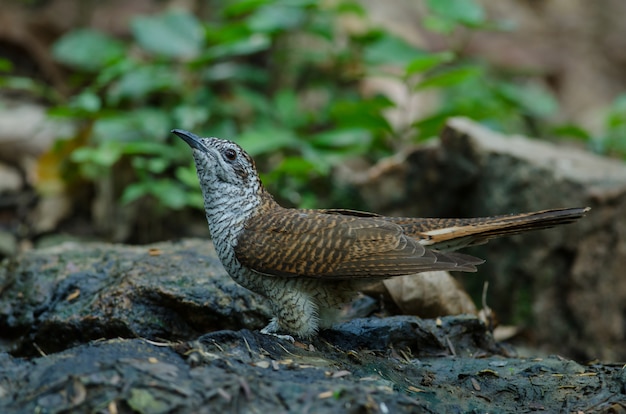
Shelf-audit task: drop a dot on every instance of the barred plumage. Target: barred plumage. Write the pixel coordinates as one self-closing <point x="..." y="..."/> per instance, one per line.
<point x="308" y="263"/>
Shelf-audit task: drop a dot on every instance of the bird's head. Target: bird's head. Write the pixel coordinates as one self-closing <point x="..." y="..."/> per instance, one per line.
<point x="222" y="165"/>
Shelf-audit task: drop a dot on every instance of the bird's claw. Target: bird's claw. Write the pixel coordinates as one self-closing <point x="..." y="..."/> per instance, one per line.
<point x="271" y="329"/>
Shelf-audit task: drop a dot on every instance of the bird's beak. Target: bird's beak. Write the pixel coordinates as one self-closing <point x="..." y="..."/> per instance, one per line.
<point x="191" y="139"/>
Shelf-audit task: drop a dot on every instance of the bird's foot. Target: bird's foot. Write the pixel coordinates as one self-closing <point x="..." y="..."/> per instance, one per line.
<point x="271" y="329"/>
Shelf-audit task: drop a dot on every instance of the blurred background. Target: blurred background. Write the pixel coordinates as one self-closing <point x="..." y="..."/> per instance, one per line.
<point x="314" y="91"/>
<point x="90" y="90"/>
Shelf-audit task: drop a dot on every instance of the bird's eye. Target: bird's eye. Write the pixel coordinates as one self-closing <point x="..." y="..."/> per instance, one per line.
<point x="230" y="154"/>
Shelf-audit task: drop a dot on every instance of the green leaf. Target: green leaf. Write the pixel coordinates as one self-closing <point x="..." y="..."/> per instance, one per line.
<point x="236" y="72"/>
<point x="531" y="98"/>
<point x="87" y="49"/>
<point x="354" y="138"/>
<point x="175" y="34"/>
<point x="287" y="109"/>
<point x="321" y="25"/>
<point x="104" y="155"/>
<point x="276" y="17"/>
<point x="466" y="12"/>
<point x="432" y="125"/>
<point x="143" y="81"/>
<point x="365" y="113"/>
<point x="20" y="83"/>
<point x="450" y="77"/>
<point x="571" y="131"/>
<point x="117" y="128"/>
<point x="351" y="7"/>
<point x="158" y="165"/>
<point x="113" y="71"/>
<point x="428" y="61"/>
<point x="330" y="148"/>
<point x="238" y="8"/>
<point x="619" y="104"/>
<point x="155" y="165"/>
<point x="170" y="193"/>
<point x="296" y="166"/>
<point x="189" y="117"/>
<point x="263" y="139"/>
<point x="134" y="192"/>
<point x="132" y="126"/>
<point x="252" y="44"/>
<point x="194" y="199"/>
<point x="228" y="32"/>
<point x="616" y="117"/>
<point x="390" y="49"/>
<point x="86" y="102"/>
<point x="167" y="192"/>
<point x="187" y="175"/>
<point x="151" y="121"/>
<point x="438" y="25"/>
<point x="259" y="102"/>
<point x="145" y="148"/>
<point x="5" y="65"/>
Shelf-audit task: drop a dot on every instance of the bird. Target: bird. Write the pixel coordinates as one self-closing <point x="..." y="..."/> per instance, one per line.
<point x="308" y="263"/>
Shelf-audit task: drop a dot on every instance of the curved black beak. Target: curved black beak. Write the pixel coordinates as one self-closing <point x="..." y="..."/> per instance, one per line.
<point x="191" y="139"/>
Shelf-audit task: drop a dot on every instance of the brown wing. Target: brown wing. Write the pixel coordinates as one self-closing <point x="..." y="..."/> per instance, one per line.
<point x="291" y="243"/>
<point x="455" y="233"/>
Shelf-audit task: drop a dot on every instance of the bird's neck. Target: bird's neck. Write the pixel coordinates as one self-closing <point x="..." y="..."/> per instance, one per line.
<point x="227" y="213"/>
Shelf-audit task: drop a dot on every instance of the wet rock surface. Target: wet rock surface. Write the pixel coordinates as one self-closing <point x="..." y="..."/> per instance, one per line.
<point x="244" y="371"/>
<point x="161" y="328"/>
<point x="59" y="297"/>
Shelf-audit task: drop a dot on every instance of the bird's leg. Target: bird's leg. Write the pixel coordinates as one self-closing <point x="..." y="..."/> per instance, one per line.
<point x="295" y="312"/>
<point x="332" y="298"/>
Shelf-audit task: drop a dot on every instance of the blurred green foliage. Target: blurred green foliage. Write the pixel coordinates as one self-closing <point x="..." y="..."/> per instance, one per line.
<point x="612" y="140"/>
<point x="283" y="78"/>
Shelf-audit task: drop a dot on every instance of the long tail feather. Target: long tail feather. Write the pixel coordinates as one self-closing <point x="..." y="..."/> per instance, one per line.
<point x="452" y="234"/>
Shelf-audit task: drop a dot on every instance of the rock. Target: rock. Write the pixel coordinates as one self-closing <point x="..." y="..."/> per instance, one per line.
<point x="14" y="198"/>
<point x="26" y="134"/>
<point x="10" y="179"/>
<point x="421" y="337"/>
<point x="74" y="314"/>
<point x="245" y="371"/>
<point x="27" y="131"/>
<point x="58" y="297"/>
<point x="8" y="244"/>
<point x="566" y="283"/>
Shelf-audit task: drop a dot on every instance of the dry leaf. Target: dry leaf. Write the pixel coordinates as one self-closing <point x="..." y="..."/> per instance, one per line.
<point x="75" y="293"/>
<point x="503" y="333"/>
<point x="262" y="364"/>
<point x="428" y="294"/>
